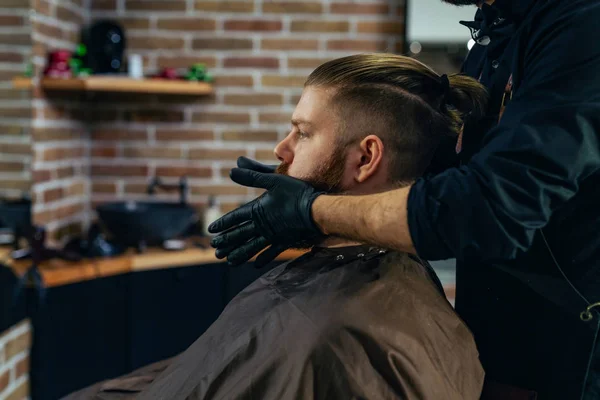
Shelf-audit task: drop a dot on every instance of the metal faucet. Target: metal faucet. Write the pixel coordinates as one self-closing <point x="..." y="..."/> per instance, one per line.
<point x="182" y="186"/>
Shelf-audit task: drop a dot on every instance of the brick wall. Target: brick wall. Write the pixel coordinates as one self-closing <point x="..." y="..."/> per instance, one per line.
<point x="60" y="165"/>
<point x="15" y="105"/>
<point x="260" y="52"/>
<point x="89" y="150"/>
<point x="15" y="344"/>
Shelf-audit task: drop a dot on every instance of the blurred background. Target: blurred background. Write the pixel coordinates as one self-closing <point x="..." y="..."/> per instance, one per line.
<point x="119" y="123"/>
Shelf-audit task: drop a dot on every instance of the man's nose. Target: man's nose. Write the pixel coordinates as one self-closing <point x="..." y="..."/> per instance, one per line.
<point x="284" y="152"/>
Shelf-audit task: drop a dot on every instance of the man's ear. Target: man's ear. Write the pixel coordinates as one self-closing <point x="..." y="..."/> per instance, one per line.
<point x="370" y="158"/>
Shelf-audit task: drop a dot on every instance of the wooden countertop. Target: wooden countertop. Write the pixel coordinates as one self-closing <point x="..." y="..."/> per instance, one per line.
<point x="60" y="272"/>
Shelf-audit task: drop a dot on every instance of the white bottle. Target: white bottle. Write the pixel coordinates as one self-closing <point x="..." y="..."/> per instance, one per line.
<point x="211" y="214"/>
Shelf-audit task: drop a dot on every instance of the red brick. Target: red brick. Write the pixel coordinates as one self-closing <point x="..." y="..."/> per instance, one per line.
<point x="18" y="130"/>
<point x="183" y="135"/>
<point x="234" y="81"/>
<point x="65" y="172"/>
<point x="155" y="6"/>
<point x="11" y="4"/>
<point x="8" y="75"/>
<point x="16" y="184"/>
<point x="252" y="25"/>
<point x="51" y="195"/>
<point x="155" y="43"/>
<point x="320" y="26"/>
<point x="308" y="63"/>
<point x="185" y="61"/>
<point x="104" y="187"/>
<point x="16" y="112"/>
<point x="357" y="45"/>
<point x="289" y="45"/>
<point x="22" y="367"/>
<point x="15" y="148"/>
<point x="42" y="175"/>
<point x="274" y="117"/>
<point x="284" y="7"/>
<point x="18" y="345"/>
<point x="193" y="172"/>
<point x="152" y="152"/>
<point x="11" y="20"/>
<point x="256" y="99"/>
<point x="283" y="81"/>
<point x="119" y="170"/>
<point x="250" y="136"/>
<point x="187" y="24"/>
<point x="360" y="8"/>
<point x="56" y="134"/>
<point x="154" y="115"/>
<point x="64" y="14"/>
<point x="215" y="154"/>
<point x="251" y="62"/>
<point x="42" y="7"/>
<point x="104" y="152"/>
<point x="221" y="117"/>
<point x="381" y="27"/>
<point x="119" y="134"/>
<point x="59" y="153"/>
<point x="222" y="190"/>
<point x="135" y="188"/>
<point x="103" y="5"/>
<point x="222" y="44"/>
<point x="225" y="6"/>
<point x="15" y="39"/>
<point x="135" y="23"/>
<point x="48" y="30"/>
<point x="4" y="379"/>
<point x="13" y="166"/>
<point x="76" y="189"/>
<point x="266" y="155"/>
<point x="12" y="57"/>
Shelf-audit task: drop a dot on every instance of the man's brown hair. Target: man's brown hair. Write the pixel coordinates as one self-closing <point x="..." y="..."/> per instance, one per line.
<point x="401" y="100"/>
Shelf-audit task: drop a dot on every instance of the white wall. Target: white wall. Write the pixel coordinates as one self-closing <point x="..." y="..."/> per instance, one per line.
<point x="433" y="21"/>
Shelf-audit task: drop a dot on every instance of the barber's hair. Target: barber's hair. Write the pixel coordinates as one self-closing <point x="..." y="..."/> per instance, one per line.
<point x="404" y="102"/>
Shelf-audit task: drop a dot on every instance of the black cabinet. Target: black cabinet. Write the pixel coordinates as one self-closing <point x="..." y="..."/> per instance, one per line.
<point x="95" y="330"/>
<point x="79" y="335"/>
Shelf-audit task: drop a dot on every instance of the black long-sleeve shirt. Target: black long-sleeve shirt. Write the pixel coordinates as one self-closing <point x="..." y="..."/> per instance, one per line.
<point x="521" y="214"/>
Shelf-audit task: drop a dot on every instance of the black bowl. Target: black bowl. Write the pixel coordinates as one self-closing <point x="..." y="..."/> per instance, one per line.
<point x="145" y="223"/>
<point x="16" y="215"/>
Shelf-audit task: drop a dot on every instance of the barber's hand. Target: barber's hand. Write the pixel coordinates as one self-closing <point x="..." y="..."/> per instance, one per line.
<point x="280" y="217"/>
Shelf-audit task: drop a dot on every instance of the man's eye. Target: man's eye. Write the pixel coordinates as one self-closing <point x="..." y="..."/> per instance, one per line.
<point x="302" y="135"/>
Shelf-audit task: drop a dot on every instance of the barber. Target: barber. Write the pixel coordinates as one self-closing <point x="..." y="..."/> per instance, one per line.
<point x="520" y="209"/>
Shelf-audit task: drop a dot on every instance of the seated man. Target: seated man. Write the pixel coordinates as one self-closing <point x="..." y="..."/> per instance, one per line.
<point x="345" y="320"/>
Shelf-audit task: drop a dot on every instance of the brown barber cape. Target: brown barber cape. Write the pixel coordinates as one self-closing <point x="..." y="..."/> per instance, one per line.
<point x="337" y="323"/>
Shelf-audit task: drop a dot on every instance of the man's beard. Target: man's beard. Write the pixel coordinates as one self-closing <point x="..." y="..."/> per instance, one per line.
<point x="462" y="2"/>
<point x="328" y="177"/>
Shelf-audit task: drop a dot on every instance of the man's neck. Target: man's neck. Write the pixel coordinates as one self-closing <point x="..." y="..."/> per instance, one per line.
<point x="333" y="242"/>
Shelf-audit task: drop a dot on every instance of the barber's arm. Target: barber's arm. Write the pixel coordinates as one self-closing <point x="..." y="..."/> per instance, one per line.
<point x="547" y="143"/>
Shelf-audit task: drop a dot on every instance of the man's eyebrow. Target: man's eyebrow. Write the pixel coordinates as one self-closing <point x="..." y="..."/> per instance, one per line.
<point x="297" y="122"/>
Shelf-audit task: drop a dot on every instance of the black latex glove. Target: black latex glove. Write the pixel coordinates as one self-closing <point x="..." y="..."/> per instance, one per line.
<point x="280" y="217"/>
<point x="246" y="163"/>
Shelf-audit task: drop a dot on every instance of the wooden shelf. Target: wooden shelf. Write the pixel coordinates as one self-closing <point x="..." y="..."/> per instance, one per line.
<point x="118" y="84"/>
